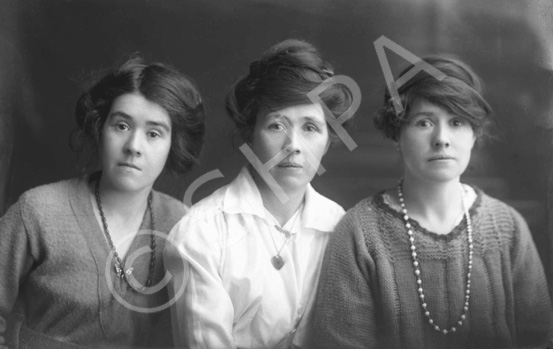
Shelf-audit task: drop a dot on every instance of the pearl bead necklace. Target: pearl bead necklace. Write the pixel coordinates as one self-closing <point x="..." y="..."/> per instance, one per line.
<point x="416" y="265"/>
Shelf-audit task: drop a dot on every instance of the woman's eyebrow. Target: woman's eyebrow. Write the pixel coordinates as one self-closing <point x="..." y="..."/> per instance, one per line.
<point x="161" y="124"/>
<point x="275" y="115"/>
<point x="156" y="123"/>
<point x="121" y="114"/>
<point x="423" y="113"/>
<point x="313" y="119"/>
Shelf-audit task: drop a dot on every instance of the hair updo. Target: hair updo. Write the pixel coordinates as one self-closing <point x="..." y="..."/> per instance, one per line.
<point x="160" y="84"/>
<point x="283" y="77"/>
<point x="459" y="93"/>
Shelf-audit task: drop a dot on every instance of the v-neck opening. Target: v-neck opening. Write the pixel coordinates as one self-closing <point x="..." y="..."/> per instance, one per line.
<point x="94" y="234"/>
<point x="290" y="223"/>
<point x="136" y="240"/>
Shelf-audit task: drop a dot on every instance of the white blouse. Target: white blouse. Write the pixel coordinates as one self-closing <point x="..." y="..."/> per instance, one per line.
<point x="234" y="297"/>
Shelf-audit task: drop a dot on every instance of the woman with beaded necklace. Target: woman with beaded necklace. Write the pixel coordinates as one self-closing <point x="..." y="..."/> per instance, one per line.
<point x="253" y="257"/>
<point x="432" y="263"/>
<point x="80" y="259"/>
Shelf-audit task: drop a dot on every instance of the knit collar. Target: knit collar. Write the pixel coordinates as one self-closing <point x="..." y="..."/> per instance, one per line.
<point x="381" y="203"/>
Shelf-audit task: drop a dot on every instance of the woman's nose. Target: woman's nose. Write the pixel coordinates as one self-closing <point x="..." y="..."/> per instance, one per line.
<point x="134" y="144"/>
<point x="441" y="137"/>
<point x="294" y="141"/>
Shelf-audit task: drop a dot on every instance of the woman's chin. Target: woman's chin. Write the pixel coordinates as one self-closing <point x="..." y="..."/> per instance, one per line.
<point x="293" y="184"/>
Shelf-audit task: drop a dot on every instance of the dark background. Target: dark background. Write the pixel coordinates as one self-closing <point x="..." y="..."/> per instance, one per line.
<point x="49" y="48"/>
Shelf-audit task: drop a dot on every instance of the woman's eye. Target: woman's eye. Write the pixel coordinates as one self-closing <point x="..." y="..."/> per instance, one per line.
<point x="311" y="128"/>
<point x="276" y="127"/>
<point x="122" y="127"/>
<point x="457" y="122"/>
<point x="153" y="134"/>
<point x="423" y="123"/>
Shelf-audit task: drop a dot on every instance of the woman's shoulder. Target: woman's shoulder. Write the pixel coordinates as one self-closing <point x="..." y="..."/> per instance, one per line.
<point x="48" y="196"/>
<point x="44" y="203"/>
<point x="498" y="221"/>
<point x="367" y="206"/>
<point x="361" y="226"/>
<point x="500" y="210"/>
<point x="203" y="222"/>
<point x="170" y="205"/>
<point x="168" y="210"/>
<point x="364" y="215"/>
<point x="210" y="205"/>
<point x="324" y="205"/>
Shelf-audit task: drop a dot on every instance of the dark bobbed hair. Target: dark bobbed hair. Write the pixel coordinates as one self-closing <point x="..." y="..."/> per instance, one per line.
<point x="160" y="84"/>
<point x="459" y="93"/>
<point x="283" y="77"/>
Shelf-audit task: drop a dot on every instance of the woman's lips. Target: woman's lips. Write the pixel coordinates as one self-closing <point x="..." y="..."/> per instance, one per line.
<point x="126" y="164"/>
<point x="289" y="165"/>
<point x="441" y="158"/>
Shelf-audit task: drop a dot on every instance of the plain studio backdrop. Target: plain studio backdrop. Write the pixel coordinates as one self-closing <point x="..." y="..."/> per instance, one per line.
<point x="49" y="48"/>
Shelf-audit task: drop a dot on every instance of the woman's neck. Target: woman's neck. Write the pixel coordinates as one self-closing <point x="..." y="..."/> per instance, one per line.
<point x="124" y="211"/>
<point x="436" y="206"/>
<point x="282" y="211"/>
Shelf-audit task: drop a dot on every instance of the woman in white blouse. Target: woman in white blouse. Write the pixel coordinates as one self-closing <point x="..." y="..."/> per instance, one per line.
<point x="253" y="248"/>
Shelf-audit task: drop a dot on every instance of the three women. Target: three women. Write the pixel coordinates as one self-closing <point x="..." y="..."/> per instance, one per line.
<point x="430" y="263"/>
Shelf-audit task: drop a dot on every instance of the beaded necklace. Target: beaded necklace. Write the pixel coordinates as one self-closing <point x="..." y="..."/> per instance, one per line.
<point x="417" y="268"/>
<point x="118" y="263"/>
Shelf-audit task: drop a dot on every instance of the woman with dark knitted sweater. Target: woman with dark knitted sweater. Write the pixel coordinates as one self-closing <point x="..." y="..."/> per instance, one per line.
<point x="432" y="263"/>
<point x="80" y="260"/>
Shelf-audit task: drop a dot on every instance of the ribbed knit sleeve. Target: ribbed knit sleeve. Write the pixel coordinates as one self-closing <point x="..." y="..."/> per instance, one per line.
<point x="344" y="310"/>
<point x="15" y="260"/>
<point x="533" y="313"/>
<point x="15" y="263"/>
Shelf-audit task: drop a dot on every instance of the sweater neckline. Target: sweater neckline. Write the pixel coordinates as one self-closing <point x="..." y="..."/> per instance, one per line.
<point x="92" y="231"/>
<point x="381" y="203"/>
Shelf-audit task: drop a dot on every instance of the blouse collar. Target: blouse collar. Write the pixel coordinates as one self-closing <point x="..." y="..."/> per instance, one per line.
<point x="243" y="197"/>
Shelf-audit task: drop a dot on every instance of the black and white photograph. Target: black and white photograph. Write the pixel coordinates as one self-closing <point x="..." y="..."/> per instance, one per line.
<point x="276" y="174"/>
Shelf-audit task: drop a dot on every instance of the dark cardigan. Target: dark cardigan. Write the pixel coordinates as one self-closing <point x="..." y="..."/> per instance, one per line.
<point x="368" y="298"/>
<point x="54" y="273"/>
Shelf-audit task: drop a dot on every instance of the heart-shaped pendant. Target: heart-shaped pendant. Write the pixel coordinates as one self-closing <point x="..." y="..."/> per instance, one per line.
<point x="277" y="262"/>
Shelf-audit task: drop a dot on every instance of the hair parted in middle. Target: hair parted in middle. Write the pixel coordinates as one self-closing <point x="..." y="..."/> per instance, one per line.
<point x="283" y="77"/>
<point x="459" y="93"/>
<point x="160" y="84"/>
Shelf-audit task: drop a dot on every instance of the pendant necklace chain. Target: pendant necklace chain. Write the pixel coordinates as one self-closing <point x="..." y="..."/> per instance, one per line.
<point x="118" y="263"/>
<point x="417" y="268"/>
<point x="277" y="261"/>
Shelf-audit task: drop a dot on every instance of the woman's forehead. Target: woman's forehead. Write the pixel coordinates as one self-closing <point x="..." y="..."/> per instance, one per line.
<point x="135" y="107"/>
<point x="310" y="110"/>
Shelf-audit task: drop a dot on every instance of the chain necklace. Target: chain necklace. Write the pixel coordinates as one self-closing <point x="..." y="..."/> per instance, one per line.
<point x="118" y="263"/>
<point x="416" y="264"/>
<point x="277" y="261"/>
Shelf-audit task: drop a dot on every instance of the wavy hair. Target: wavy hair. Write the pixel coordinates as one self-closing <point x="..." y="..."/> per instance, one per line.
<point x="160" y="84"/>
<point x="283" y="77"/>
<point x="459" y="93"/>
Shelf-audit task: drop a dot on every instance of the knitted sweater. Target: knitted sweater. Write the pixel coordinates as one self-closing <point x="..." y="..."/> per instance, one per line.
<point x="54" y="274"/>
<point x="368" y="298"/>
